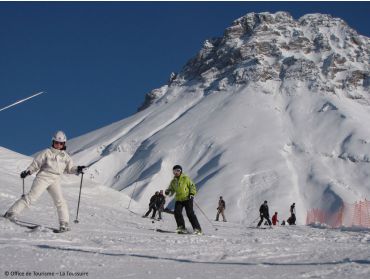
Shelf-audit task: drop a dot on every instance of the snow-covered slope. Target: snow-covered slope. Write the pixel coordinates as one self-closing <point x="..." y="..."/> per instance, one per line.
<point x="112" y="242"/>
<point x="275" y="109"/>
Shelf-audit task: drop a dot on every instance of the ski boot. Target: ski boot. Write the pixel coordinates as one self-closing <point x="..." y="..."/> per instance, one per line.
<point x="198" y="232"/>
<point x="64" y="227"/>
<point x="10" y="216"/>
<point x="181" y="230"/>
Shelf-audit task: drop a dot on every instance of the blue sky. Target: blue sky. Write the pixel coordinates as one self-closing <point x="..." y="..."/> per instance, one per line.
<point x="97" y="60"/>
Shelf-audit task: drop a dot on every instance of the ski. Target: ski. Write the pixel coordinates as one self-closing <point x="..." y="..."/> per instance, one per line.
<point x="251" y="227"/>
<point x="168" y="231"/>
<point x="180" y="233"/>
<point x="33" y="226"/>
<point x="24" y="225"/>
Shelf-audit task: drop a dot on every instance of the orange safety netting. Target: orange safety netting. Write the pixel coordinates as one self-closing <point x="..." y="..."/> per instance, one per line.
<point x="349" y="215"/>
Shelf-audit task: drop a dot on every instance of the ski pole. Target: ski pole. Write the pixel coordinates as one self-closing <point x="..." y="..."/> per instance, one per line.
<point x="79" y="198"/>
<point x="204" y="215"/>
<point x="23" y="187"/>
<point x="255" y="221"/>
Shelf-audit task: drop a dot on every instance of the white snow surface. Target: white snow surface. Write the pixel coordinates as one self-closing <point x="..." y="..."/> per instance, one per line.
<point x="112" y="242"/>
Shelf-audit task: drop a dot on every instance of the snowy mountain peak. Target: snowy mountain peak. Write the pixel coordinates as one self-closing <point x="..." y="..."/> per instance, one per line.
<point x="317" y="49"/>
<point x="274" y="109"/>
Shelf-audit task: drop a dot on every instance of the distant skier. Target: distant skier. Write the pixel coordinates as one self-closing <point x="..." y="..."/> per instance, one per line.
<point x="283" y="223"/>
<point x="291" y="220"/>
<point x="275" y="219"/>
<point x="185" y="190"/>
<point x="220" y="209"/>
<point x="50" y="164"/>
<point x="264" y="214"/>
<point x="152" y="205"/>
<point x="161" y="201"/>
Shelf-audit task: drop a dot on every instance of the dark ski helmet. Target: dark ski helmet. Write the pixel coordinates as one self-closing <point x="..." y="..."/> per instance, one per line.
<point x="177" y="167"/>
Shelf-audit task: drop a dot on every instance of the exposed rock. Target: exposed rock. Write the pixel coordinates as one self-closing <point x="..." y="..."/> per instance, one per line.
<point x="318" y="49"/>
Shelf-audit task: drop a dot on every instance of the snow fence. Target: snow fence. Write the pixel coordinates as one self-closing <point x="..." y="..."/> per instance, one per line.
<point x="349" y="215"/>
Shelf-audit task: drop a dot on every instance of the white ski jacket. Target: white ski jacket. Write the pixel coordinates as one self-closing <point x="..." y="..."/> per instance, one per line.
<point x="52" y="163"/>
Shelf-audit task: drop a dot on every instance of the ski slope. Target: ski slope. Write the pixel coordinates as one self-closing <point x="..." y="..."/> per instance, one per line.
<point x="112" y="242"/>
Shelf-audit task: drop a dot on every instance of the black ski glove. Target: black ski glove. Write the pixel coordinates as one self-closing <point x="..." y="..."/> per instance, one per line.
<point x="80" y="169"/>
<point x="25" y="173"/>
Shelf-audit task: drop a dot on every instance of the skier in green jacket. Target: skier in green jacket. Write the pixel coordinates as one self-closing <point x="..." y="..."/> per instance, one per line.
<point x="185" y="189"/>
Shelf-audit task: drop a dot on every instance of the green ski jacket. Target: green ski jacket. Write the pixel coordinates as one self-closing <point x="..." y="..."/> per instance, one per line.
<point x="183" y="187"/>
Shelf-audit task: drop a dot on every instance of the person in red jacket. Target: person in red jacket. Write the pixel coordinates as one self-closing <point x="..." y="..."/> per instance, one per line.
<point x="274" y="219"/>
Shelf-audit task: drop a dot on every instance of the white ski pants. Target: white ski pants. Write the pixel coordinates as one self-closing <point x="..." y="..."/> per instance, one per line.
<point x="39" y="185"/>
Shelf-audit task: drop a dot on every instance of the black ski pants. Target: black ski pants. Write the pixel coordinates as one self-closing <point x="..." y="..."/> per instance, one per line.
<point x="292" y="219"/>
<point x="264" y="217"/>
<point x="150" y="209"/>
<point x="160" y="210"/>
<point x="188" y="204"/>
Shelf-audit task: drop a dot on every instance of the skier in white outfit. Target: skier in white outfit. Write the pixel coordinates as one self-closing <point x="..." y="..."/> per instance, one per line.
<point x="50" y="164"/>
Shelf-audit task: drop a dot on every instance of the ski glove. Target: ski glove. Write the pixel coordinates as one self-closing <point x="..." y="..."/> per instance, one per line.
<point x="191" y="196"/>
<point x="25" y="173"/>
<point x="167" y="192"/>
<point x="80" y="169"/>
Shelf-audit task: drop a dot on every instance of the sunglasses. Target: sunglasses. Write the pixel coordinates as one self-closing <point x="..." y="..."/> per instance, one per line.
<point x="177" y="170"/>
<point x="58" y="143"/>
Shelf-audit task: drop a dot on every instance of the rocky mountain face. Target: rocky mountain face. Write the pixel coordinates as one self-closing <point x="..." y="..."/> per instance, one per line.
<point x="322" y="51"/>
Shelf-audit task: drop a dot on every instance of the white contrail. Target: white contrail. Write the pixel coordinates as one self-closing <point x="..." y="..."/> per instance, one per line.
<point x="20" y="101"/>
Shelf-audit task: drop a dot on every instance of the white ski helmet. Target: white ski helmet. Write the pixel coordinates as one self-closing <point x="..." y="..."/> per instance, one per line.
<point x="59" y="136"/>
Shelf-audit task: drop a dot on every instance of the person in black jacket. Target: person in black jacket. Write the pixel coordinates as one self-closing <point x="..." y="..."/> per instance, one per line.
<point x="160" y="204"/>
<point x="292" y="218"/>
<point x="220" y="209"/>
<point x="152" y="205"/>
<point x="264" y="214"/>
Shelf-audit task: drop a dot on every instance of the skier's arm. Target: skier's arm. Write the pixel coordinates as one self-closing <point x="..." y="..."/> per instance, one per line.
<point x="70" y="168"/>
<point x="261" y="210"/>
<point x="37" y="163"/>
<point x="170" y="190"/>
<point x="192" y="188"/>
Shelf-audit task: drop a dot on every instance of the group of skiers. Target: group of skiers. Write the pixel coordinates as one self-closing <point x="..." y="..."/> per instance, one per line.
<point x="157" y="202"/>
<point x="51" y="163"/>
<point x="264" y="214"/>
<point x="185" y="190"/>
